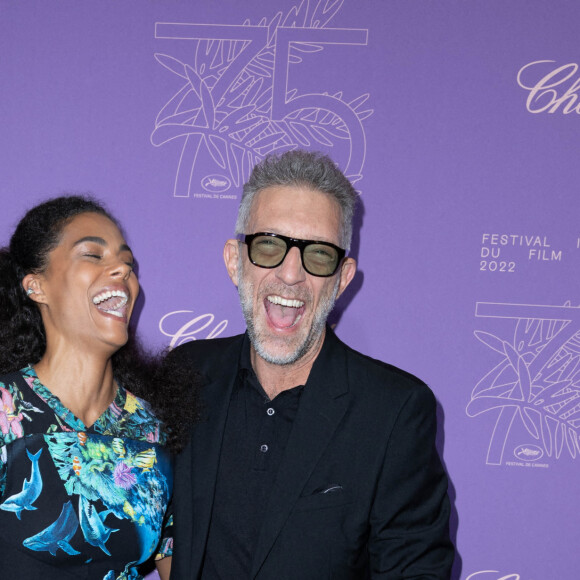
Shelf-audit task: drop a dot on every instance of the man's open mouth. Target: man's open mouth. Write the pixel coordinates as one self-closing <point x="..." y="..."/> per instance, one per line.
<point x="283" y="312"/>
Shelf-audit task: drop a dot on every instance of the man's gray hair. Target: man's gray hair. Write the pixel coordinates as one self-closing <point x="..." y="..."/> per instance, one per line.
<point x="308" y="169"/>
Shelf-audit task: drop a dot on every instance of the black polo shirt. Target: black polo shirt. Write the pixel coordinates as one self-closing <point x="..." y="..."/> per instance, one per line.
<point x="255" y="437"/>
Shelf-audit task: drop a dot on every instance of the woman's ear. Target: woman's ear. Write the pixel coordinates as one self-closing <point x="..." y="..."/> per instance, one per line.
<point x="33" y="287"/>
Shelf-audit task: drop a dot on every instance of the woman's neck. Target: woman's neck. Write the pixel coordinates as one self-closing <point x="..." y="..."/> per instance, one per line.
<point x="84" y="383"/>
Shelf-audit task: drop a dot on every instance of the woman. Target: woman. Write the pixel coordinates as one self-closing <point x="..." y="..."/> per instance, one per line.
<point x="85" y="473"/>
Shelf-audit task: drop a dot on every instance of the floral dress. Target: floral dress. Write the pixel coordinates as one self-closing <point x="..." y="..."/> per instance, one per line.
<point x="77" y="502"/>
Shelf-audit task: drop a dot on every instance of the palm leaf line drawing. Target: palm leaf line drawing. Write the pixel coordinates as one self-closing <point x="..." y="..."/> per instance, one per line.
<point x="545" y="397"/>
<point x="228" y="110"/>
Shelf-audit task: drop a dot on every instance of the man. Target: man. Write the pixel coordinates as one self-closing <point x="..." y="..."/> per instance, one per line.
<point x="312" y="460"/>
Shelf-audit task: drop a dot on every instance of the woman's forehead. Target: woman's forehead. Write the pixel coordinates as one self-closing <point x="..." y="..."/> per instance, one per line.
<point x="90" y="225"/>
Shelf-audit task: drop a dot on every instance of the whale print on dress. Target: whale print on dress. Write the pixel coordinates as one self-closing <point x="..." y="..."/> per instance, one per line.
<point x="30" y="489"/>
<point x="117" y="467"/>
<point x="93" y="524"/>
<point x="57" y="535"/>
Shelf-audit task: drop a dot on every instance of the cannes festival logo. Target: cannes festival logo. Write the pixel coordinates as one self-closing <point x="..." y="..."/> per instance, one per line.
<point x="239" y="97"/>
<point x="528" y="452"/>
<point x="535" y="382"/>
<point x="551" y="88"/>
<point x="215" y="183"/>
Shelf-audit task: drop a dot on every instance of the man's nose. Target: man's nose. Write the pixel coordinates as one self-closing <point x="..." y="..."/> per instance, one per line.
<point x="290" y="271"/>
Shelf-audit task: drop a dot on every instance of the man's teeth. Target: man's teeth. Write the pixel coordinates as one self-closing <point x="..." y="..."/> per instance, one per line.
<point x="284" y="302"/>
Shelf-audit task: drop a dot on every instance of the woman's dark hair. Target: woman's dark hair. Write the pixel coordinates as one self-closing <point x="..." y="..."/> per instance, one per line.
<point x="22" y="336"/>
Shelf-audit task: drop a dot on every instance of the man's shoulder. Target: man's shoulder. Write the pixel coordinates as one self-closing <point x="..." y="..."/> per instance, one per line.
<point x="208" y="345"/>
<point x="379" y="367"/>
<point x="377" y="375"/>
<point x="196" y="350"/>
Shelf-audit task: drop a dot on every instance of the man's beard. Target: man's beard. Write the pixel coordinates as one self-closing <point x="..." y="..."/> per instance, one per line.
<point x="259" y="339"/>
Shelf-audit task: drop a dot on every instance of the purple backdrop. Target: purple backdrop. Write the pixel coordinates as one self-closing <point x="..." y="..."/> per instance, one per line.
<point x="457" y="120"/>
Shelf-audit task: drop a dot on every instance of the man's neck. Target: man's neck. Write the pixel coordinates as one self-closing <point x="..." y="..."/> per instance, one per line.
<point x="276" y="378"/>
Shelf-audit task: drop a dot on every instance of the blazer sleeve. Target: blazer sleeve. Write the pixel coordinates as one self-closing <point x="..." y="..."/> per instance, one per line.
<point x="409" y="520"/>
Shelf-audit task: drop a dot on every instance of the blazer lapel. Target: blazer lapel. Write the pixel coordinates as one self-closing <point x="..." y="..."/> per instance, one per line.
<point x="322" y="406"/>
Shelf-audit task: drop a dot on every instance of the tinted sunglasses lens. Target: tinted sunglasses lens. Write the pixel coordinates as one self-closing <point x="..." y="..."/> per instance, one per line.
<point x="320" y="259"/>
<point x="267" y="251"/>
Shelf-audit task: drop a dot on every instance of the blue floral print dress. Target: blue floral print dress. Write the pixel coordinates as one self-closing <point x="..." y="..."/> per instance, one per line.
<point x="77" y="502"/>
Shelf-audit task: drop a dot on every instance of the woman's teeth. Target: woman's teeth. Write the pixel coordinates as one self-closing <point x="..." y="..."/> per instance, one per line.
<point x="115" y="305"/>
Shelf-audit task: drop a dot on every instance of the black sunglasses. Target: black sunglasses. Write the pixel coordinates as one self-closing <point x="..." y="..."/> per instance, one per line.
<point x="269" y="251"/>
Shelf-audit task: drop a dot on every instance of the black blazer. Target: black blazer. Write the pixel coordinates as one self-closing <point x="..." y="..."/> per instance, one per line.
<point x="360" y="492"/>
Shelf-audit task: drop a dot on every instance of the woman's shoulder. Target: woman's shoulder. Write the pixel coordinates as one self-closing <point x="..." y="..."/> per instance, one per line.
<point x="11" y="379"/>
<point x="13" y="407"/>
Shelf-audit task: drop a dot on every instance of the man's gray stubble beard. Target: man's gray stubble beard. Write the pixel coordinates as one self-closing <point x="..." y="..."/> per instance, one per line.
<point x="246" y="290"/>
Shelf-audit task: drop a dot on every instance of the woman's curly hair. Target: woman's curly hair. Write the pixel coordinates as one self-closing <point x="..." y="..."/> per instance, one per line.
<point x="170" y="389"/>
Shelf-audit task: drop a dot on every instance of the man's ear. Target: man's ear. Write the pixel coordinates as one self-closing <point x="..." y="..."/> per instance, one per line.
<point x="347" y="272"/>
<point x="32" y="285"/>
<point x="231" y="258"/>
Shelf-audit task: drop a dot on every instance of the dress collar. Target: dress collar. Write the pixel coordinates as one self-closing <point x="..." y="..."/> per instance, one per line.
<point x="116" y="408"/>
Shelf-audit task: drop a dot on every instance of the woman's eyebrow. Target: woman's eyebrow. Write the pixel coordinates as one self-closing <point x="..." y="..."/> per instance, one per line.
<point x="101" y="242"/>
<point x="94" y="239"/>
